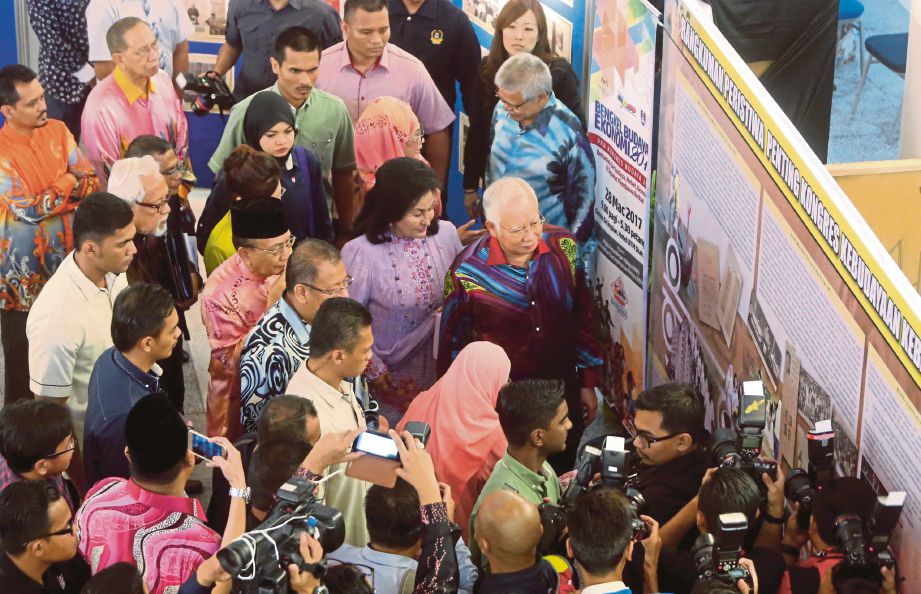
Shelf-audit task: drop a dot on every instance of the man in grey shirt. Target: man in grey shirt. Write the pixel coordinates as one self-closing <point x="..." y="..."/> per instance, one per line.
<point x="253" y="25"/>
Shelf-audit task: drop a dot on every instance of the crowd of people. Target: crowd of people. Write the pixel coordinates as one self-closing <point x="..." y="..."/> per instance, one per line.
<point x="337" y="300"/>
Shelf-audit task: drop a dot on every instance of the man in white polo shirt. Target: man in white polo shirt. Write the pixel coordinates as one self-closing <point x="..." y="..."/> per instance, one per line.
<point x="340" y="348"/>
<point x="70" y="324"/>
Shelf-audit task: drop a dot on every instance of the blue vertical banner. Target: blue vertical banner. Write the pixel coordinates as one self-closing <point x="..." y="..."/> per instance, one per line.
<point x="620" y="112"/>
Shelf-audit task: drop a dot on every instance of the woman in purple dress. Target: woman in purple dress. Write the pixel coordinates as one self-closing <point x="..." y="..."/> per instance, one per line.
<point x="399" y="264"/>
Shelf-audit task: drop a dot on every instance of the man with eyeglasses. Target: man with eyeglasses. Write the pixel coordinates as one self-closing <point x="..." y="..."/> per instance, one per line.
<point x="537" y="138"/>
<point x="138" y="98"/>
<point x="280" y="342"/>
<point x="671" y="446"/>
<point x="524" y="287"/>
<point x="39" y="554"/>
<point x="235" y="297"/>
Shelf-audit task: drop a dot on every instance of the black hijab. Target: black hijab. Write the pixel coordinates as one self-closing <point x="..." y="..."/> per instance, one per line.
<point x="266" y="110"/>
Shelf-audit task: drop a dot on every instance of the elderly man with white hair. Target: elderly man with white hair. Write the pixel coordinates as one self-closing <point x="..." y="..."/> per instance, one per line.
<point x="138" y="182"/>
<point x="523" y="287"/>
<point x="537" y="138"/>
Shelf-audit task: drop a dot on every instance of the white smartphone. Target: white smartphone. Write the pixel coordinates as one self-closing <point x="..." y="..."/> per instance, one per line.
<point x="205" y="448"/>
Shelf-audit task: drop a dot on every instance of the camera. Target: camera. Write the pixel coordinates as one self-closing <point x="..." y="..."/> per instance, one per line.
<point x="802" y="485"/>
<point x="866" y="548"/>
<point x="716" y="557"/>
<point x="742" y="449"/>
<point x="258" y="560"/>
<point x="615" y="473"/>
<point x="372" y="414"/>
<point x="210" y="92"/>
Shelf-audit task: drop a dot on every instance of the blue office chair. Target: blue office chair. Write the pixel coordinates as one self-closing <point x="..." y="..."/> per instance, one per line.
<point x="891" y="51"/>
<point x="849" y="13"/>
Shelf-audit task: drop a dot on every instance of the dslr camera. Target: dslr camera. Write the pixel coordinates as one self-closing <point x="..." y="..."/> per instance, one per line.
<point x="866" y="548"/>
<point x="716" y="557"/>
<point x="802" y="485"/>
<point x="208" y="92"/>
<point x="613" y="463"/>
<point x="742" y="449"/>
<point x="258" y="560"/>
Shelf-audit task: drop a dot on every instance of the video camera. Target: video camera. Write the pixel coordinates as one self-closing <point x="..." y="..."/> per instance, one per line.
<point x="802" y="485"/>
<point x="866" y="549"/>
<point x="742" y="449"/>
<point x="717" y="557"/>
<point x="258" y="560"/>
<point x="613" y="463"/>
<point x="210" y="92"/>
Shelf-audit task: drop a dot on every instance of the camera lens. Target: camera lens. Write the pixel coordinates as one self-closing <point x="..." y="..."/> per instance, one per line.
<point x="202" y="105"/>
<point x="724" y="443"/>
<point x="234" y="557"/>
<point x="798" y="487"/>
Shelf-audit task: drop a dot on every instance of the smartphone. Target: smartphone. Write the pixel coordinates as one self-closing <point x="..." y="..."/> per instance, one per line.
<point x="376" y="444"/>
<point x="205" y="448"/>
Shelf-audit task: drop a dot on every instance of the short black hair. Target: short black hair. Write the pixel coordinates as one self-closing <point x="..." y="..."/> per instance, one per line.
<point x="306" y="259"/>
<point x="31" y="430"/>
<point x="367" y="5"/>
<point x="157" y="440"/>
<point x="272" y="464"/>
<point x="148" y="144"/>
<point x="844" y="495"/>
<point x="297" y="39"/>
<point x="10" y="76"/>
<point x="284" y="418"/>
<point x="115" y="36"/>
<point x="140" y="311"/>
<point x="729" y="490"/>
<point x="398" y="185"/>
<point x="24" y="513"/>
<point x="713" y="586"/>
<point x="681" y="407"/>
<point x="100" y="215"/>
<point x="393" y="515"/>
<point x="346" y="579"/>
<point x="337" y="325"/>
<point x="600" y="529"/>
<point x="121" y="577"/>
<point x="526" y="405"/>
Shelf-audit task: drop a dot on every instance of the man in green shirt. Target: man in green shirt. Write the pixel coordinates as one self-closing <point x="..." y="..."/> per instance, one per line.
<point x="323" y="122"/>
<point x="535" y="420"/>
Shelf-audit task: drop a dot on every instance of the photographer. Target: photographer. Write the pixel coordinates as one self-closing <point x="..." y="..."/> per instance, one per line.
<point x="723" y="491"/>
<point x="844" y="495"/>
<point x="717" y="586"/>
<point x="535" y="420"/>
<point x="670" y="444"/>
<point x="601" y="542"/>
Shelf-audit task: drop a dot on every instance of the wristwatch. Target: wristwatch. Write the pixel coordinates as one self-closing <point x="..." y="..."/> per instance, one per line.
<point x="321" y="589"/>
<point x="244" y="494"/>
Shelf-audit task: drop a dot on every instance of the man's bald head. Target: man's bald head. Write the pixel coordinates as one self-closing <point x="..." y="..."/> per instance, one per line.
<point x="508" y="526"/>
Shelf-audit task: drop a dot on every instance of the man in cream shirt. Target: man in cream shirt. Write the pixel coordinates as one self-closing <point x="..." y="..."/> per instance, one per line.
<point x="340" y="348"/>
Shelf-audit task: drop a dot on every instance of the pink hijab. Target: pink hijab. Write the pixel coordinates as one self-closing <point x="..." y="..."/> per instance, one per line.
<point x="461" y="409"/>
<point x="381" y="134"/>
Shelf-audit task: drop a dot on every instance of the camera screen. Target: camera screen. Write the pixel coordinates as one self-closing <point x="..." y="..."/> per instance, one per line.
<point x="204" y="447"/>
<point x="379" y="445"/>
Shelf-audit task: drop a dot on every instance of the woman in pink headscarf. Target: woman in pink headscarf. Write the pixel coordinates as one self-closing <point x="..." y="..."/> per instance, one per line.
<point x="387" y="129"/>
<point x="467" y="439"/>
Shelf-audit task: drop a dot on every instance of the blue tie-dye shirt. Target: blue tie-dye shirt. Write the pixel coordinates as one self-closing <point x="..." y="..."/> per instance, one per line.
<point x="554" y="156"/>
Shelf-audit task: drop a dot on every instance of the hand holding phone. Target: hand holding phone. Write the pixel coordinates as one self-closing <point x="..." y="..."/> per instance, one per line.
<point x="204" y="447"/>
<point x="379" y="462"/>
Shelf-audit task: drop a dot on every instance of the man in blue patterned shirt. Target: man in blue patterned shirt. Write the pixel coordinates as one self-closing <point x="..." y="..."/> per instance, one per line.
<point x="279" y="343"/>
<point x="538" y="139"/>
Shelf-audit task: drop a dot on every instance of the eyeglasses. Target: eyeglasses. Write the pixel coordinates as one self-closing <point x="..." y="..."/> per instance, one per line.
<point x="69" y="448"/>
<point x="278" y="249"/>
<point x="648" y="440"/>
<point x="158" y="207"/>
<point x="509" y="107"/>
<point x="66" y="530"/>
<point x="153" y="48"/>
<point x="534" y="227"/>
<point x="335" y="290"/>
<point x="172" y="172"/>
<point x="417" y="136"/>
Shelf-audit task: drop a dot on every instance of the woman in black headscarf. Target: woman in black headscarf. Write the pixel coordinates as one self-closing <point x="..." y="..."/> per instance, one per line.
<point x="269" y="126"/>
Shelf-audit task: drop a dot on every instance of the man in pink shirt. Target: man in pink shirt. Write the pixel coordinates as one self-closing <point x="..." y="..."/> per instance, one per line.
<point x="236" y="295"/>
<point x="138" y="98"/>
<point x="365" y="66"/>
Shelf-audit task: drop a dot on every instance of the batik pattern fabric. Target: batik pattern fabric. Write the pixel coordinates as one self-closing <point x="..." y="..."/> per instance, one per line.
<point x="273" y="351"/>
<point x="64" y="48"/>
<point x="232" y="303"/>
<point x="164" y="536"/>
<point x="117" y="112"/>
<point x="542" y="315"/>
<point x="554" y="156"/>
<point x="42" y="179"/>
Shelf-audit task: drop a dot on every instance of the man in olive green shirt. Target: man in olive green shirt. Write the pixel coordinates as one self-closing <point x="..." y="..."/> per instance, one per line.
<point x="535" y="421"/>
<point x="323" y="122"/>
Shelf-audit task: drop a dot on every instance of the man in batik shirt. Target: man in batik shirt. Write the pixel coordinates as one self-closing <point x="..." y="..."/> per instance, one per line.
<point x="523" y="287"/>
